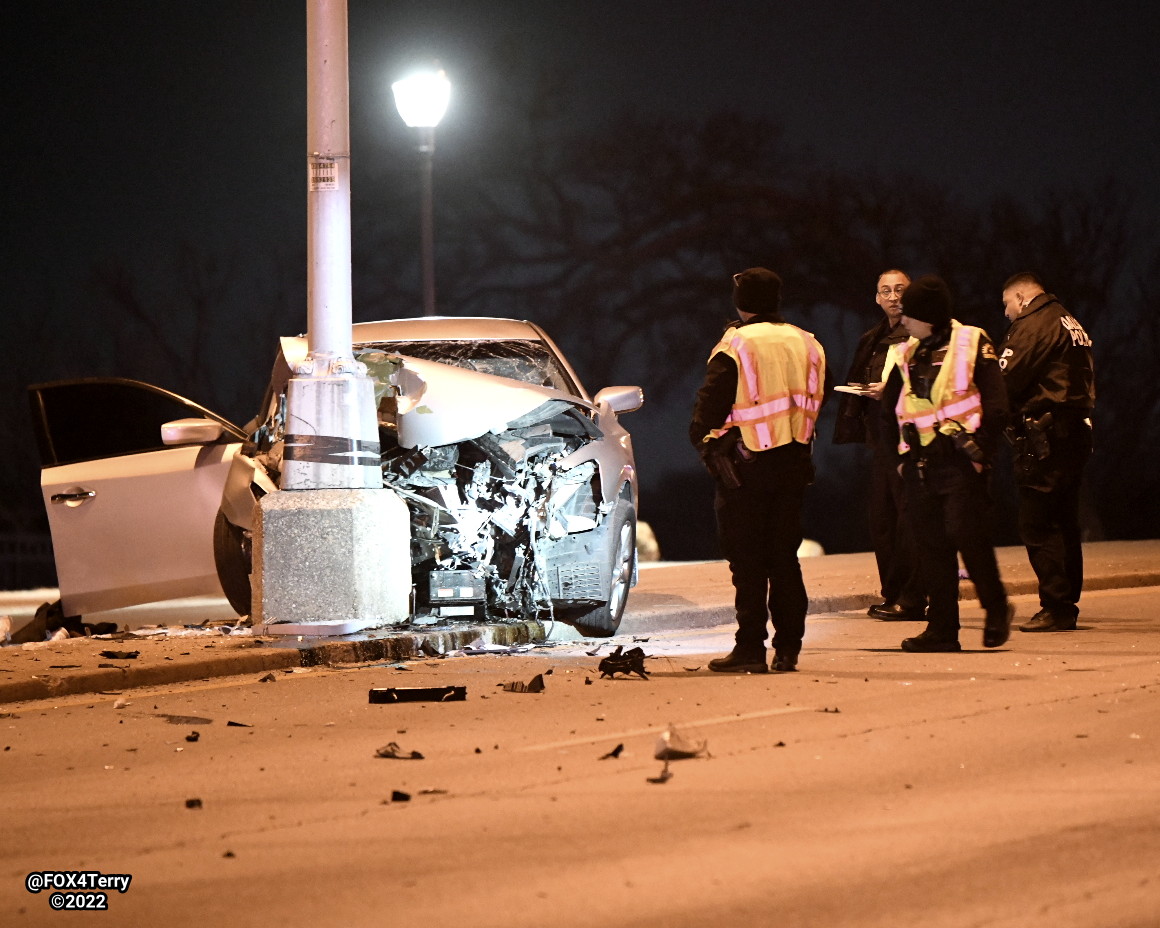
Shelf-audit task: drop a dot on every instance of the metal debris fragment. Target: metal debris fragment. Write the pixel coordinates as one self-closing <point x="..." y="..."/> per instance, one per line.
<point x="392" y="694"/>
<point x="534" y="685"/>
<point x="269" y="678"/>
<point x="120" y="655"/>
<point x="192" y="736"/>
<point x="394" y="752"/>
<point x="613" y="754"/>
<point x="193" y="803"/>
<point x="184" y="719"/>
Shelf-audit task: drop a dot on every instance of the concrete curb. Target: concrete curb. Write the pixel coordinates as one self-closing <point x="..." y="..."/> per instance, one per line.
<point x="676" y="596"/>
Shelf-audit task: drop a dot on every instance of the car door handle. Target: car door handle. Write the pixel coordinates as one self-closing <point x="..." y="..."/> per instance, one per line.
<point x="73" y="496"/>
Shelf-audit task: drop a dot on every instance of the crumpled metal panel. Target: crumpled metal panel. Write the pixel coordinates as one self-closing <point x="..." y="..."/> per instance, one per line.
<point x="440" y="404"/>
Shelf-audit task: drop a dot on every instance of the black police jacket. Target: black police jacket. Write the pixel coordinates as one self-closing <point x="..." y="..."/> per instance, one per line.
<point x="1046" y="359"/>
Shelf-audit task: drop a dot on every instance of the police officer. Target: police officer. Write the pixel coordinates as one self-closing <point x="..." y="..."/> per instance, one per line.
<point x="753" y="424"/>
<point x="945" y="404"/>
<point x="857" y="421"/>
<point x="1047" y="366"/>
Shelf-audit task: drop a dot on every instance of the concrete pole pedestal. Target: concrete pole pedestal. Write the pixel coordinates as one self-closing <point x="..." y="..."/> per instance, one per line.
<point x="331" y="562"/>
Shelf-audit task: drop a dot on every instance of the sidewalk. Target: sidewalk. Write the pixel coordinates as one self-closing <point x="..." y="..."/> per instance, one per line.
<point x="670" y="595"/>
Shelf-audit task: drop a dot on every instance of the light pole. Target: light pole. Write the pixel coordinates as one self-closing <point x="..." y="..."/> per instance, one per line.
<point x="422" y="100"/>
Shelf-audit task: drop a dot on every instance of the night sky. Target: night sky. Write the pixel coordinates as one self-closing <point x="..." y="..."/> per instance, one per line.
<point x="136" y="124"/>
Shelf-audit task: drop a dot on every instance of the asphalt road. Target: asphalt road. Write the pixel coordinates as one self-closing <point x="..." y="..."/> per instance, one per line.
<point x="1017" y="787"/>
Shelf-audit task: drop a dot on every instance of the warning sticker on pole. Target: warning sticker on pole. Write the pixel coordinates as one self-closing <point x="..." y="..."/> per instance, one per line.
<point x="323" y="175"/>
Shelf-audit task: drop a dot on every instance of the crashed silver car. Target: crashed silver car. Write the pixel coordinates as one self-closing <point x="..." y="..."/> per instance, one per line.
<point x="521" y="487"/>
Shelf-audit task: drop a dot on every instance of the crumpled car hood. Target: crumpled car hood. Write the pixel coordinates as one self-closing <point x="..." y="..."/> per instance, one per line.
<point x="440" y="404"/>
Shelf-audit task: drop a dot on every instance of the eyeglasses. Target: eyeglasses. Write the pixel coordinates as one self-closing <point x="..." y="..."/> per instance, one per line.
<point x="887" y="291"/>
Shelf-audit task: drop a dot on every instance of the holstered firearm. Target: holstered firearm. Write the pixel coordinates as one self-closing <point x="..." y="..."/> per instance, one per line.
<point x="722" y="457"/>
<point x="1031" y="436"/>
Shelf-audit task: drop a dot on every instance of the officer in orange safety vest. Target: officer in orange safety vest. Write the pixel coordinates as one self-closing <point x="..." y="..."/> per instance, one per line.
<point x="945" y="405"/>
<point x="753" y="425"/>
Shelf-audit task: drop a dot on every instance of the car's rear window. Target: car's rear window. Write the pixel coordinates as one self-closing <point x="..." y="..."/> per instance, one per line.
<point x="519" y="359"/>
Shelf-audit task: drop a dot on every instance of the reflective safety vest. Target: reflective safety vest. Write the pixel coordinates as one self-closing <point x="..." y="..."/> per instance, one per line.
<point x="954" y="397"/>
<point x="780" y="379"/>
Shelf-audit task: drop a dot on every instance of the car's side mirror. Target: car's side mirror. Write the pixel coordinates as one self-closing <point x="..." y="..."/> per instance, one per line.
<point x="191" y="432"/>
<point x="620" y="399"/>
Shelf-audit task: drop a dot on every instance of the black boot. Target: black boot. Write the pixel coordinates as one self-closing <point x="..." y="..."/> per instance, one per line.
<point x="737" y="661"/>
<point x="997" y="628"/>
<point x="930" y="643"/>
<point x="784" y="662"/>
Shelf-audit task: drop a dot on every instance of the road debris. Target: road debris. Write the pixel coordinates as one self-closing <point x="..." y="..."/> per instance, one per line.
<point x="479" y="646"/>
<point x="663" y="777"/>
<point x="534" y="685"/>
<point x="625" y="662"/>
<point x="120" y="655"/>
<point x="269" y="678"/>
<point x="397" y="795"/>
<point x="193" y="803"/>
<point x="394" y="752"/>
<point x="121" y="703"/>
<point x="184" y="719"/>
<point x="673" y="745"/>
<point x="192" y="736"/>
<point x="238" y="725"/>
<point x="613" y="754"/>
<point x="389" y="694"/>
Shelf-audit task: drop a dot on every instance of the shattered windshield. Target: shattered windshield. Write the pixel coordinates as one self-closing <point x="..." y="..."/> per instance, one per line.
<point x="518" y="359"/>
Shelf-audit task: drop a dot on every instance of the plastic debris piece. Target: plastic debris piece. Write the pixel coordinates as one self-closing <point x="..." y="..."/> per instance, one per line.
<point x="397" y="795"/>
<point x="587" y="681"/>
<point x="534" y="685"/>
<point x="120" y="703"/>
<point x="613" y="754"/>
<point x="673" y="745"/>
<point x="192" y="736"/>
<point x="663" y="777"/>
<point x="238" y="725"/>
<point x="193" y="803"/>
<point x="184" y="719"/>
<point x="269" y="678"/>
<point x="693" y="669"/>
<point x="834" y="710"/>
<point x="625" y="662"/>
<point x="634" y="638"/>
<point x="394" y="752"/>
<point x="120" y="655"/>
<point x="430" y="650"/>
<point x="433" y="792"/>
<point x="417" y="694"/>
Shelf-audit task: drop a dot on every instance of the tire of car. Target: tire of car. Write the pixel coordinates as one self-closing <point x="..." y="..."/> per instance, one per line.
<point x="232" y="555"/>
<point x="602" y="621"/>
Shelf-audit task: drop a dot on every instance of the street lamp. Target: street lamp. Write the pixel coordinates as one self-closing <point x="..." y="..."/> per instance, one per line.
<point x="422" y="100"/>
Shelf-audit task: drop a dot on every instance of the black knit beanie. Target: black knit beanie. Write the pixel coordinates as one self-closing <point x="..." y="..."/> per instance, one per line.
<point x="928" y="299"/>
<point x="757" y="290"/>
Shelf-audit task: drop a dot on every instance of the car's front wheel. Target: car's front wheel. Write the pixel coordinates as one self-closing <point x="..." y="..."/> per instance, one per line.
<point x="232" y="554"/>
<point x="603" y="620"/>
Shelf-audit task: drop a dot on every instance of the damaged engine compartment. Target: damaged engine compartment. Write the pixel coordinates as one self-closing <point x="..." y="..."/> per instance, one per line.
<point x="505" y="474"/>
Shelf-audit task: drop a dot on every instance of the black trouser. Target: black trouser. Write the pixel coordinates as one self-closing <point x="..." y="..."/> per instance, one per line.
<point x="891" y="535"/>
<point x="759" y="526"/>
<point x="1049" y="517"/>
<point x="947" y="504"/>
